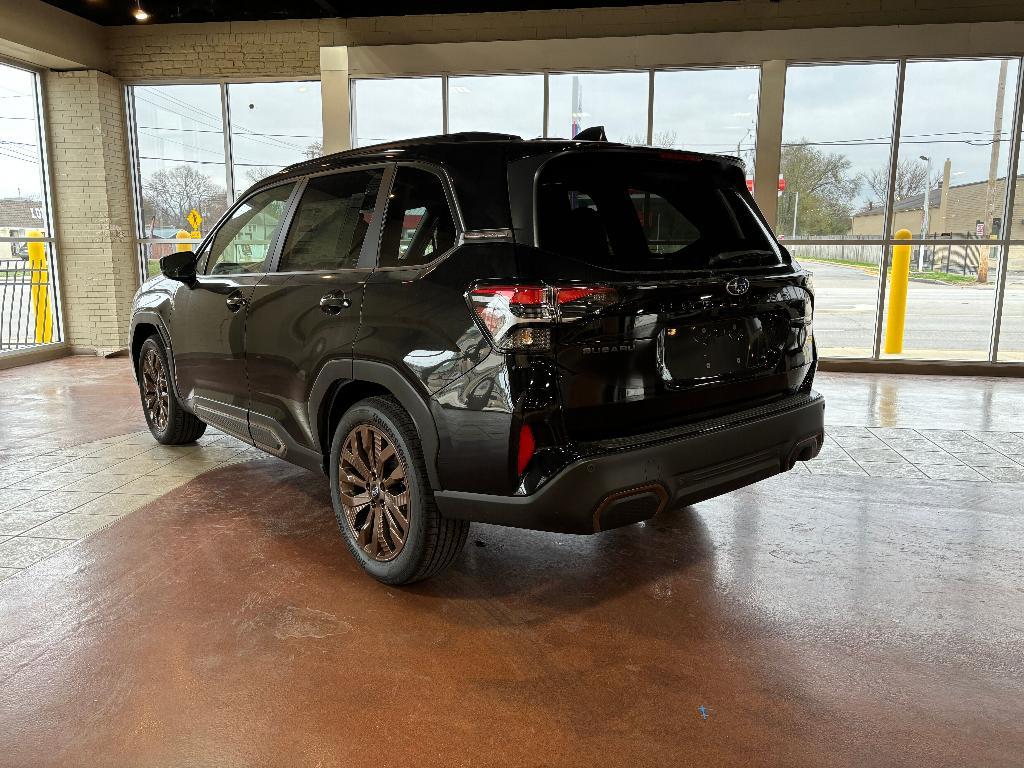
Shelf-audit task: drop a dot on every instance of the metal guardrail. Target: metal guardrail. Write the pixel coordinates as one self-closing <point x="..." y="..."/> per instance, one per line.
<point x="29" y="309"/>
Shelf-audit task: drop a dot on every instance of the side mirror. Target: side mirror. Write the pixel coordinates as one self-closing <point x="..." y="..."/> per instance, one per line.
<point x="180" y="266"/>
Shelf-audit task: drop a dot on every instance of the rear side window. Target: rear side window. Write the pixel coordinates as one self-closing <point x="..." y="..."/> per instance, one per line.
<point x="418" y="226"/>
<point x="242" y="244"/>
<point x="635" y="213"/>
<point x="331" y="222"/>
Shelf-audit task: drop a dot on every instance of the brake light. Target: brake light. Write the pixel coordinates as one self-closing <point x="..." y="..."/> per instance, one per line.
<point x="527" y="445"/>
<point x="519" y="318"/>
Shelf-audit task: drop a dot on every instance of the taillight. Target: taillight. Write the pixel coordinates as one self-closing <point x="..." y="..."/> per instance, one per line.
<point x="519" y="318"/>
<point x="527" y="445"/>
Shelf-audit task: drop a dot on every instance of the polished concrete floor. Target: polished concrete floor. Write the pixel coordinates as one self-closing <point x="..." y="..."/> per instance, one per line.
<point x="822" y="618"/>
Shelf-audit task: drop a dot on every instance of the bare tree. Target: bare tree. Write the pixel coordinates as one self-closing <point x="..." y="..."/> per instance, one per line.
<point x="314" y="150"/>
<point x="171" y="193"/>
<point x="910" y="180"/>
<point x="665" y="138"/>
<point x="258" y="173"/>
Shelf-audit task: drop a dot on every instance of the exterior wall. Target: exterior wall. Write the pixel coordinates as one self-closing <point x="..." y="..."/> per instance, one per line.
<point x="965" y="206"/>
<point x="291" y="48"/>
<point x="92" y="198"/>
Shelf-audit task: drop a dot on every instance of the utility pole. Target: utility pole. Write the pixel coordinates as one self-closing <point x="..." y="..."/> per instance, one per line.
<point x="796" y="207"/>
<point x="927" y="206"/>
<point x="993" y="168"/>
<point x="577" y="106"/>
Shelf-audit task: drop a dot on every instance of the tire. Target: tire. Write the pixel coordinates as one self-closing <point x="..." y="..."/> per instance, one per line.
<point x="168" y="422"/>
<point x="375" y="537"/>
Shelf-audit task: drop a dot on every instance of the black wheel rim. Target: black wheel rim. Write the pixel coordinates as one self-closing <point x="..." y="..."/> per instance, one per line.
<point x="373" y="485"/>
<point x="155" y="395"/>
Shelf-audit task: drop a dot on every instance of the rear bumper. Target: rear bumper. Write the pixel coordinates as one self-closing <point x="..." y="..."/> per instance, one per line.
<point x="622" y="483"/>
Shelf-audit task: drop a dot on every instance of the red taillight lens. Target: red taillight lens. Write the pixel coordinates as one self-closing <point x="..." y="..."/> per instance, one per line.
<point x="600" y="294"/>
<point x="527" y="445"/>
<point x="519" y="317"/>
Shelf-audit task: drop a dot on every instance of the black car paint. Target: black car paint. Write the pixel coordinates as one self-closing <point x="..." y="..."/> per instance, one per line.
<point x="270" y="371"/>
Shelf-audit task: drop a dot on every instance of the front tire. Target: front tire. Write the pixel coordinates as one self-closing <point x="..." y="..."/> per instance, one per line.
<point x="168" y="422"/>
<point x="382" y="498"/>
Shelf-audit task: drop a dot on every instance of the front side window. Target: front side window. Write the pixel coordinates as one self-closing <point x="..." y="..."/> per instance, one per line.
<point x="419" y="226"/>
<point x="331" y="222"/>
<point x="634" y="213"/>
<point x="242" y="244"/>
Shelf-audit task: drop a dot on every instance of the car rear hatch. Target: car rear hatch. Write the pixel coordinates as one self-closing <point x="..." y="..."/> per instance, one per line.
<point x="673" y="300"/>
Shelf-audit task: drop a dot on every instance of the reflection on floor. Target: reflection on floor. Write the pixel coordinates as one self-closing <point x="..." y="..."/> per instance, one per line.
<point x="830" y="619"/>
<point x="51" y="499"/>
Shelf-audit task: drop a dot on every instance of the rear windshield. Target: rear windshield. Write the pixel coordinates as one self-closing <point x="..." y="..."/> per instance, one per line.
<point x="636" y="213"/>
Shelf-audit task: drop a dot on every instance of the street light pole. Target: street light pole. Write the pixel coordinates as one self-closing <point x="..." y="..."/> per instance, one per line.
<point x="796" y="207"/>
<point x="927" y="206"/>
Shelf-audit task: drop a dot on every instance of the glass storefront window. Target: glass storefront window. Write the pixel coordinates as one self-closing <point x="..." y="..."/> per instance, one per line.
<point x="29" y="297"/>
<point x="835" y="165"/>
<point x="616" y="100"/>
<point x="708" y="110"/>
<point x="272" y="125"/>
<point x="499" y="103"/>
<point x="180" y="138"/>
<point x="955" y="139"/>
<point x="957" y="117"/>
<point x="395" y="108"/>
<point x="836" y="143"/>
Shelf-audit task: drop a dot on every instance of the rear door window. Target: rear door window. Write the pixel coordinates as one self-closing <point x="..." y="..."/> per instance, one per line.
<point x="636" y="213"/>
<point x="418" y="226"/>
<point x="331" y="222"/>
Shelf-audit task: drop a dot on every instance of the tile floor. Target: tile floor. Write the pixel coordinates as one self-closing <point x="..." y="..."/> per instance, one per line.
<point x="52" y="499"/>
<point x="935" y="454"/>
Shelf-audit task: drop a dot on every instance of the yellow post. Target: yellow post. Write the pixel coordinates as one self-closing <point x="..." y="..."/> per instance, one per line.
<point x="40" y="281"/>
<point x="898" y="282"/>
<point x="182" y="234"/>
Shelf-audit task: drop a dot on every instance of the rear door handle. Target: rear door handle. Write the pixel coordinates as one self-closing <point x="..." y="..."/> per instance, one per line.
<point x="334" y="303"/>
<point x="236" y="301"/>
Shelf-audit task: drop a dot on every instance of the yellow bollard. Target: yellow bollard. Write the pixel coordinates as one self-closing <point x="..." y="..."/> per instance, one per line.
<point x="898" y="282"/>
<point x="40" y="281"/>
<point x="182" y="234"/>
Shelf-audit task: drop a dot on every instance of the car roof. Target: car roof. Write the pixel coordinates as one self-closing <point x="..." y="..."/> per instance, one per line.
<point x="468" y="146"/>
<point x="476" y="163"/>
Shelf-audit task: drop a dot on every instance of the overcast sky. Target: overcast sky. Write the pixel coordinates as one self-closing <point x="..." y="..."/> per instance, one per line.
<point x="948" y="112"/>
<point x="19" y="146"/>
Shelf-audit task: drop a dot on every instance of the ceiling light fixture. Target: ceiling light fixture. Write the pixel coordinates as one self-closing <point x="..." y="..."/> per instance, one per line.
<point x="138" y="13"/>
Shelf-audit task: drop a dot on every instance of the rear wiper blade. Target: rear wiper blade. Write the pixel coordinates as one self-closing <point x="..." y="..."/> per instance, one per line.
<point x="753" y="257"/>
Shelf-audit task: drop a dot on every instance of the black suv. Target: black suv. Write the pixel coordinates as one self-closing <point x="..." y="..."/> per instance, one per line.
<point x="561" y="335"/>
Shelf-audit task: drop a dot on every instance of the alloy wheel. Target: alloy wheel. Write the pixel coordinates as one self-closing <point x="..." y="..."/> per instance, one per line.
<point x="374" y="492"/>
<point x="155" y="393"/>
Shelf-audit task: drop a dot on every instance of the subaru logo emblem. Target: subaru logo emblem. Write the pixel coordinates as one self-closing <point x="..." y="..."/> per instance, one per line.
<point x="738" y="286"/>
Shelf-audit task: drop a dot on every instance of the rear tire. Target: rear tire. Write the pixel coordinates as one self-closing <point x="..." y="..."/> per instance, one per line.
<point x="382" y="498"/>
<point x="168" y="422"/>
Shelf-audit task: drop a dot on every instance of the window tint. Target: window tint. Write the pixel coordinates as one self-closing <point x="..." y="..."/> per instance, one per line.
<point x="242" y="244"/>
<point x="635" y="213"/>
<point x="419" y="225"/>
<point x="331" y="222"/>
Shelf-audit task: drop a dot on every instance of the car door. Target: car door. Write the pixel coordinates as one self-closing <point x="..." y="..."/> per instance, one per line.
<point x="306" y="312"/>
<point x="207" y="327"/>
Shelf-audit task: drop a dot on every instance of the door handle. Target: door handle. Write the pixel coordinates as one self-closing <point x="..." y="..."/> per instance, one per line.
<point x="334" y="303"/>
<point x="236" y="301"/>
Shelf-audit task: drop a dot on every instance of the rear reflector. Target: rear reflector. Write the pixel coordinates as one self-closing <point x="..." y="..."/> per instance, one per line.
<point x="527" y="445"/>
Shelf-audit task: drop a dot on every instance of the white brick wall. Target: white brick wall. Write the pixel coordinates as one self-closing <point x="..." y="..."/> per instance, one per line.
<point x="291" y="48"/>
<point x="93" y="206"/>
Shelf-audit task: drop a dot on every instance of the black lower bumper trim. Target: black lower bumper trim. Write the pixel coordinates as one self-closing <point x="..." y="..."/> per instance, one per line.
<point x="621" y="486"/>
